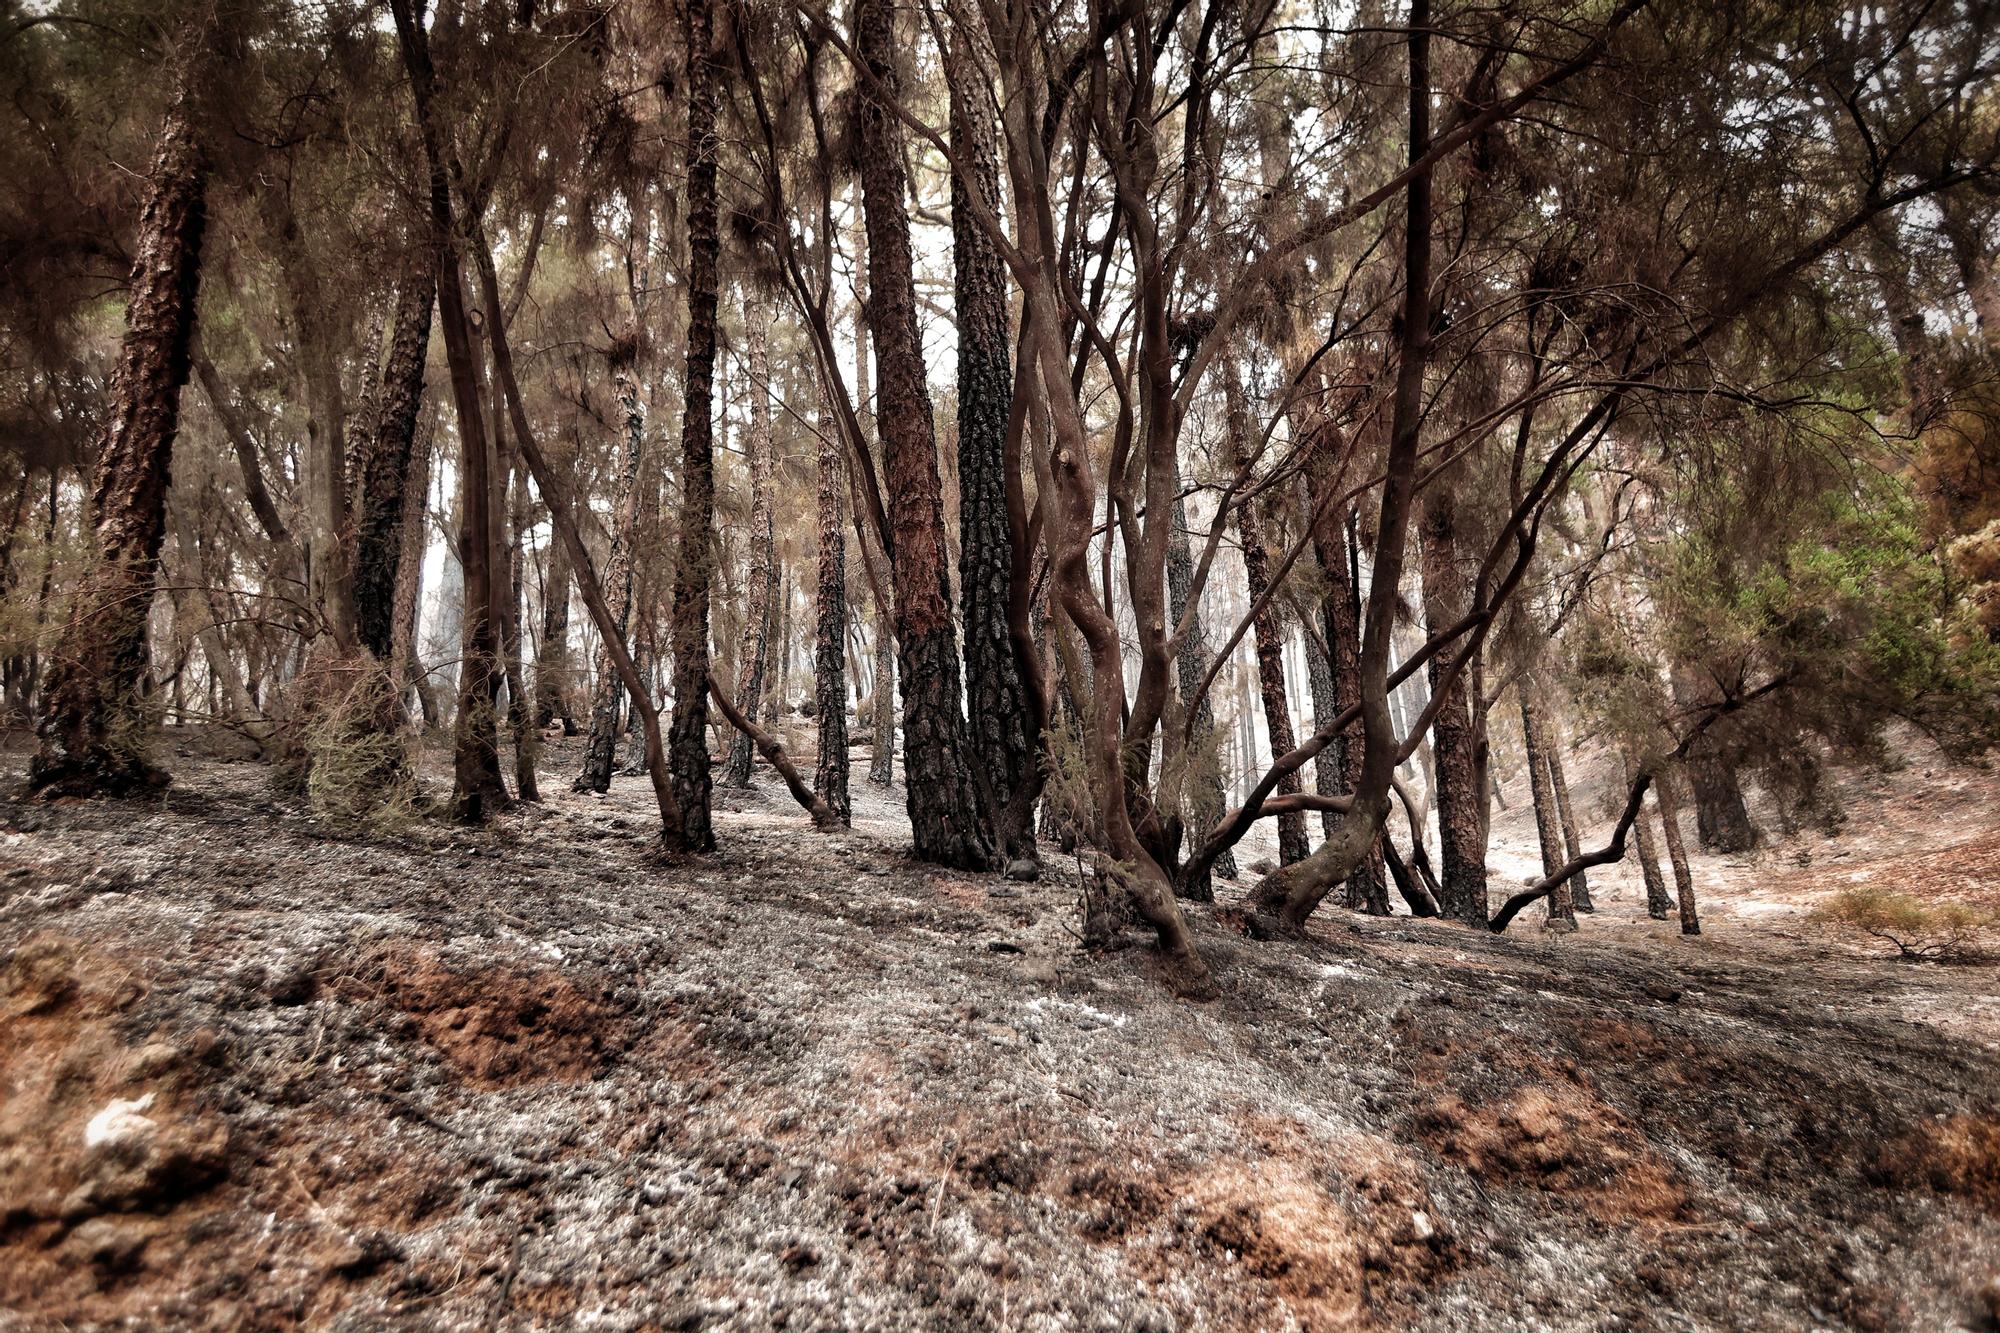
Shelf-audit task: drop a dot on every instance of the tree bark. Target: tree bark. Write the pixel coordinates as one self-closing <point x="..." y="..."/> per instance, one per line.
<point x="1001" y="716"/>
<point x="1658" y="904"/>
<point x="830" y="628"/>
<point x="1548" y="824"/>
<point x="93" y="726"/>
<point x="1267" y="631"/>
<point x="1206" y="800"/>
<point x="690" y="758"/>
<point x="600" y="752"/>
<point x="1461" y="801"/>
<point x="948" y="825"/>
<point x="383" y="465"/>
<point x="477" y="787"/>
<point x="1579" y="886"/>
<point x="754" y="644"/>
<point x="552" y="655"/>
<point x="1667" y="791"/>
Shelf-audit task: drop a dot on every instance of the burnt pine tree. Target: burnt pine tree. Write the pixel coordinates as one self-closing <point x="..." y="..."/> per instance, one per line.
<point x="92" y="727"/>
<point x="946" y="821"/>
<point x="383" y="463"/>
<point x="1461" y="805"/>
<point x="1534" y="735"/>
<point x="600" y="751"/>
<point x="1206" y="800"/>
<point x="830" y="628"/>
<point x="689" y="759"/>
<point x="1559" y="784"/>
<point x="1001" y="722"/>
<point x="753" y="647"/>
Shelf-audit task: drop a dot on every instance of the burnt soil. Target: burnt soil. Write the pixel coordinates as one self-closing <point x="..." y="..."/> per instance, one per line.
<point x="260" y="1071"/>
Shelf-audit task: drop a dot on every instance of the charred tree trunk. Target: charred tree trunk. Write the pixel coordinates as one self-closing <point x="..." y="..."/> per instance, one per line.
<point x="519" y="709"/>
<point x="1667" y="791"/>
<point x="690" y="760"/>
<point x="476" y="783"/>
<point x="946" y="821"/>
<point x="1002" y="720"/>
<point x="1207" y="802"/>
<point x="384" y="463"/>
<point x="754" y="645"/>
<point x="1267" y="630"/>
<point x="1658" y="904"/>
<point x="1461" y="800"/>
<point x="1721" y="817"/>
<point x="830" y="629"/>
<point x="1579" y="886"/>
<point x="1548" y="824"/>
<point x="600" y="752"/>
<point x="93" y="726"/>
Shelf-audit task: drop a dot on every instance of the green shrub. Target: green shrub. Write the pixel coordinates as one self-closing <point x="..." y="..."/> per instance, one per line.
<point x="1944" y="931"/>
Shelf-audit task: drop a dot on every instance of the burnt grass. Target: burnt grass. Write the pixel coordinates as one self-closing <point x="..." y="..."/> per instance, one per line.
<point x="539" y="1075"/>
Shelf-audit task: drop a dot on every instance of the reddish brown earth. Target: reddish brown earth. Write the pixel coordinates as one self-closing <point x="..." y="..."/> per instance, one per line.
<point x="256" y="1071"/>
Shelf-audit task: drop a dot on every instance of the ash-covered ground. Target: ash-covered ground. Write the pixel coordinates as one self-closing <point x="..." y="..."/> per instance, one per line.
<point x="256" y="1071"/>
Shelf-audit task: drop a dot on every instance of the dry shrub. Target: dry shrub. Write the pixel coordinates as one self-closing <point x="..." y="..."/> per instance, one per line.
<point x="348" y="749"/>
<point x="1941" y="931"/>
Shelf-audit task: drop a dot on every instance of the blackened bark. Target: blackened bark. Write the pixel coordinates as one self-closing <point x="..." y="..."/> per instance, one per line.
<point x="1001" y="719"/>
<point x="1721" y="818"/>
<point x="692" y="780"/>
<point x="830" y="629"/>
<point x="476" y="783"/>
<point x="412" y="532"/>
<point x="92" y="729"/>
<point x="1267" y="631"/>
<point x="600" y="752"/>
<point x="1667" y="791"/>
<point x="1579" y="886"/>
<point x="1460" y="800"/>
<point x="1548" y="824"/>
<point x="519" y="710"/>
<point x="754" y="645"/>
<point x="948" y="826"/>
<point x="1658" y="904"/>
<point x="1207" y="803"/>
<point x="383" y="461"/>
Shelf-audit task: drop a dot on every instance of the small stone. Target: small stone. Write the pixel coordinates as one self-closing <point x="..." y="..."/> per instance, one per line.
<point x="109" y="1244"/>
<point x="1152" y="1319"/>
<point x="654" y="1193"/>
<point x="1024" y="869"/>
<point x="1662" y="992"/>
<point x="1989" y="1295"/>
<point x="1004" y="946"/>
<point x="799" y="1256"/>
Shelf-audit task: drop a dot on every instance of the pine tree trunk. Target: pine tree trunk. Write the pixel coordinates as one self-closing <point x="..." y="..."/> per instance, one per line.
<point x="1721" y="817"/>
<point x="1559" y="783"/>
<point x="1000" y="714"/>
<point x="1266" y="629"/>
<point x="1461" y="802"/>
<point x="1667" y="791"/>
<point x="946" y="821"/>
<point x="600" y="752"/>
<point x="93" y="727"/>
<point x="1548" y="823"/>
<point x="384" y="463"/>
<point x="753" y="645"/>
<point x="690" y="759"/>
<point x="412" y="531"/>
<point x="1207" y="802"/>
<point x="1658" y="904"/>
<point x="830" y="628"/>
<point x="552" y="657"/>
<point x="518" y="707"/>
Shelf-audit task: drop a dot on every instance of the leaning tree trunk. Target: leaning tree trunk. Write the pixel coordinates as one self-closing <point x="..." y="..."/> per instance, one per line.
<point x="93" y="727"/>
<point x="1460" y="802"/>
<point x="1001" y="718"/>
<point x="1207" y="803"/>
<point x="830" y="629"/>
<point x="946" y="821"/>
<point x="691" y="777"/>
<point x="754" y="645"/>
<point x="600" y="752"/>
<point x="1268" y="632"/>
<point x="1658" y="904"/>
<point x="1667" y="791"/>
<point x="1559" y="784"/>
<point x="1562" y="912"/>
<point x="384" y="464"/>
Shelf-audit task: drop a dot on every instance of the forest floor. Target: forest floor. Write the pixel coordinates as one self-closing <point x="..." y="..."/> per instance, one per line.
<point x="256" y="1071"/>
